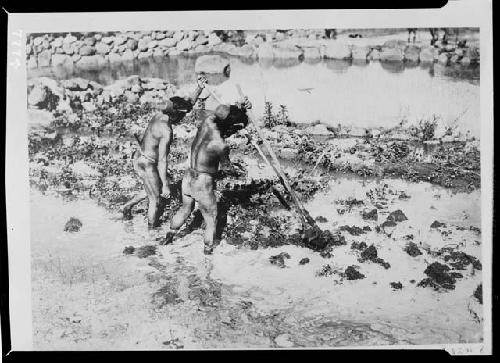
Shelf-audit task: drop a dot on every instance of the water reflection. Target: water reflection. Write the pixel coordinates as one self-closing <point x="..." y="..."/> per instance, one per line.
<point x="357" y="93"/>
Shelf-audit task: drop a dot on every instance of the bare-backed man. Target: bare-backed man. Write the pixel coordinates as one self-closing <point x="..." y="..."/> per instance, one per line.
<point x="208" y="151"/>
<point x="150" y="162"/>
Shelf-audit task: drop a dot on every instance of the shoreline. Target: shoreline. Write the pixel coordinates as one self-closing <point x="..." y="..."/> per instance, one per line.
<point x="95" y="50"/>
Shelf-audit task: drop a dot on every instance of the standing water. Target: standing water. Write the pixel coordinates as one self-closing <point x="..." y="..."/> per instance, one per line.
<point x="359" y="94"/>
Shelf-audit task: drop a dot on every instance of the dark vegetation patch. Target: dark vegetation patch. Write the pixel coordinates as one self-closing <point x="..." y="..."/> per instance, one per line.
<point x="412" y="249"/>
<point x="146" y="251"/>
<point x="304" y="261"/>
<point x="396" y="285"/>
<point x="129" y="250"/>
<point x="439" y="277"/>
<point x="478" y="293"/>
<point x="370" y="254"/>
<point x="73" y="225"/>
<point x="279" y="260"/>
<point x="352" y="273"/>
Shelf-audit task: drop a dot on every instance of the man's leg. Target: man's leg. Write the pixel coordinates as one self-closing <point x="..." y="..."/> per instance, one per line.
<point x="139" y="197"/>
<point x="208" y="208"/>
<point x="152" y="184"/>
<point x="179" y="218"/>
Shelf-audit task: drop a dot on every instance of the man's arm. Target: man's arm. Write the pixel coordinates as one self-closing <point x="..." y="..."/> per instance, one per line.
<point x="163" y="151"/>
<point x="201" y="82"/>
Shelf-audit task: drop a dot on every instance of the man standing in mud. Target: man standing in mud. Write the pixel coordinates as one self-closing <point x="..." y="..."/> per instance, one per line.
<point x="150" y="162"/>
<point x="208" y="151"/>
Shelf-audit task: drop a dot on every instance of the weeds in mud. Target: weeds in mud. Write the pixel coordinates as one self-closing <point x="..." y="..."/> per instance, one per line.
<point x="425" y="129"/>
<point x="272" y="119"/>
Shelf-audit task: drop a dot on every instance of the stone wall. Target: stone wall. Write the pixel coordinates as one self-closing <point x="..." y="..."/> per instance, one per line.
<point x="94" y="50"/>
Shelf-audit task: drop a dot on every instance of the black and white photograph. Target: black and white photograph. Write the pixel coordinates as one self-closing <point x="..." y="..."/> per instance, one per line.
<point x="307" y="184"/>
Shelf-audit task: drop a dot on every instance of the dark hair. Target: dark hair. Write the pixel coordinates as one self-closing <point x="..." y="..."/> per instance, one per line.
<point x="180" y="107"/>
<point x="228" y="118"/>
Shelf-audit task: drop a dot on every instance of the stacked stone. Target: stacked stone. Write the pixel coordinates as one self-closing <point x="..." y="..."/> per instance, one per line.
<point x="93" y="50"/>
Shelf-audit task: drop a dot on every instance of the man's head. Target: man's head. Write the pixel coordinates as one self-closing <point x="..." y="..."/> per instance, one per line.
<point x="176" y="108"/>
<point x="230" y="119"/>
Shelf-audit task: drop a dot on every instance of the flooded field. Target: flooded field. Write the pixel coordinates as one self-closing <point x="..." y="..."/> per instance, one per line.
<point x="398" y="203"/>
<point x="177" y="297"/>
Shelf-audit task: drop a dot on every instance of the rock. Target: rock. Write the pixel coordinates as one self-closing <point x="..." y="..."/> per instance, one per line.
<point x="443" y="59"/>
<point x="265" y="51"/>
<point x="427" y="55"/>
<point x="370" y="214"/>
<point x="132" y="44"/>
<point x="152" y="44"/>
<point x="44" y="58"/>
<point x="61" y="60"/>
<point x="68" y="49"/>
<point x="159" y="36"/>
<point x="374" y="55"/>
<point x="167" y="42"/>
<point x="39" y="119"/>
<point x="395" y="43"/>
<point x="58" y="42"/>
<point x="98" y="36"/>
<point x="86" y="50"/>
<point x="136" y="88"/>
<point x="108" y="40"/>
<point x="102" y="48"/>
<point x="76" y="84"/>
<point x="391" y="55"/>
<point x="412" y="54"/>
<point x="465" y="61"/>
<point x="69" y="39"/>
<point x="37" y="41"/>
<point x="287" y="53"/>
<point x="213" y="40"/>
<point x="90" y="41"/>
<point x="337" y="50"/>
<point x="360" y="53"/>
<point x="178" y="35"/>
<point x="412" y="249"/>
<point x="284" y="341"/>
<point x="38" y="96"/>
<point x="119" y="40"/>
<point x="73" y="225"/>
<point x="184" y="44"/>
<point x="317" y="130"/>
<point x="211" y="64"/>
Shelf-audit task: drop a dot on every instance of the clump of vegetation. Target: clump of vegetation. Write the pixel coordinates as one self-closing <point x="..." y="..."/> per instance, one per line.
<point x="425" y="129"/>
<point x="272" y="119"/>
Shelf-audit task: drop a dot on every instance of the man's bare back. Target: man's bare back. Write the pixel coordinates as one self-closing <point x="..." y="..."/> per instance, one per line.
<point x="208" y="151"/>
<point x="150" y="163"/>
